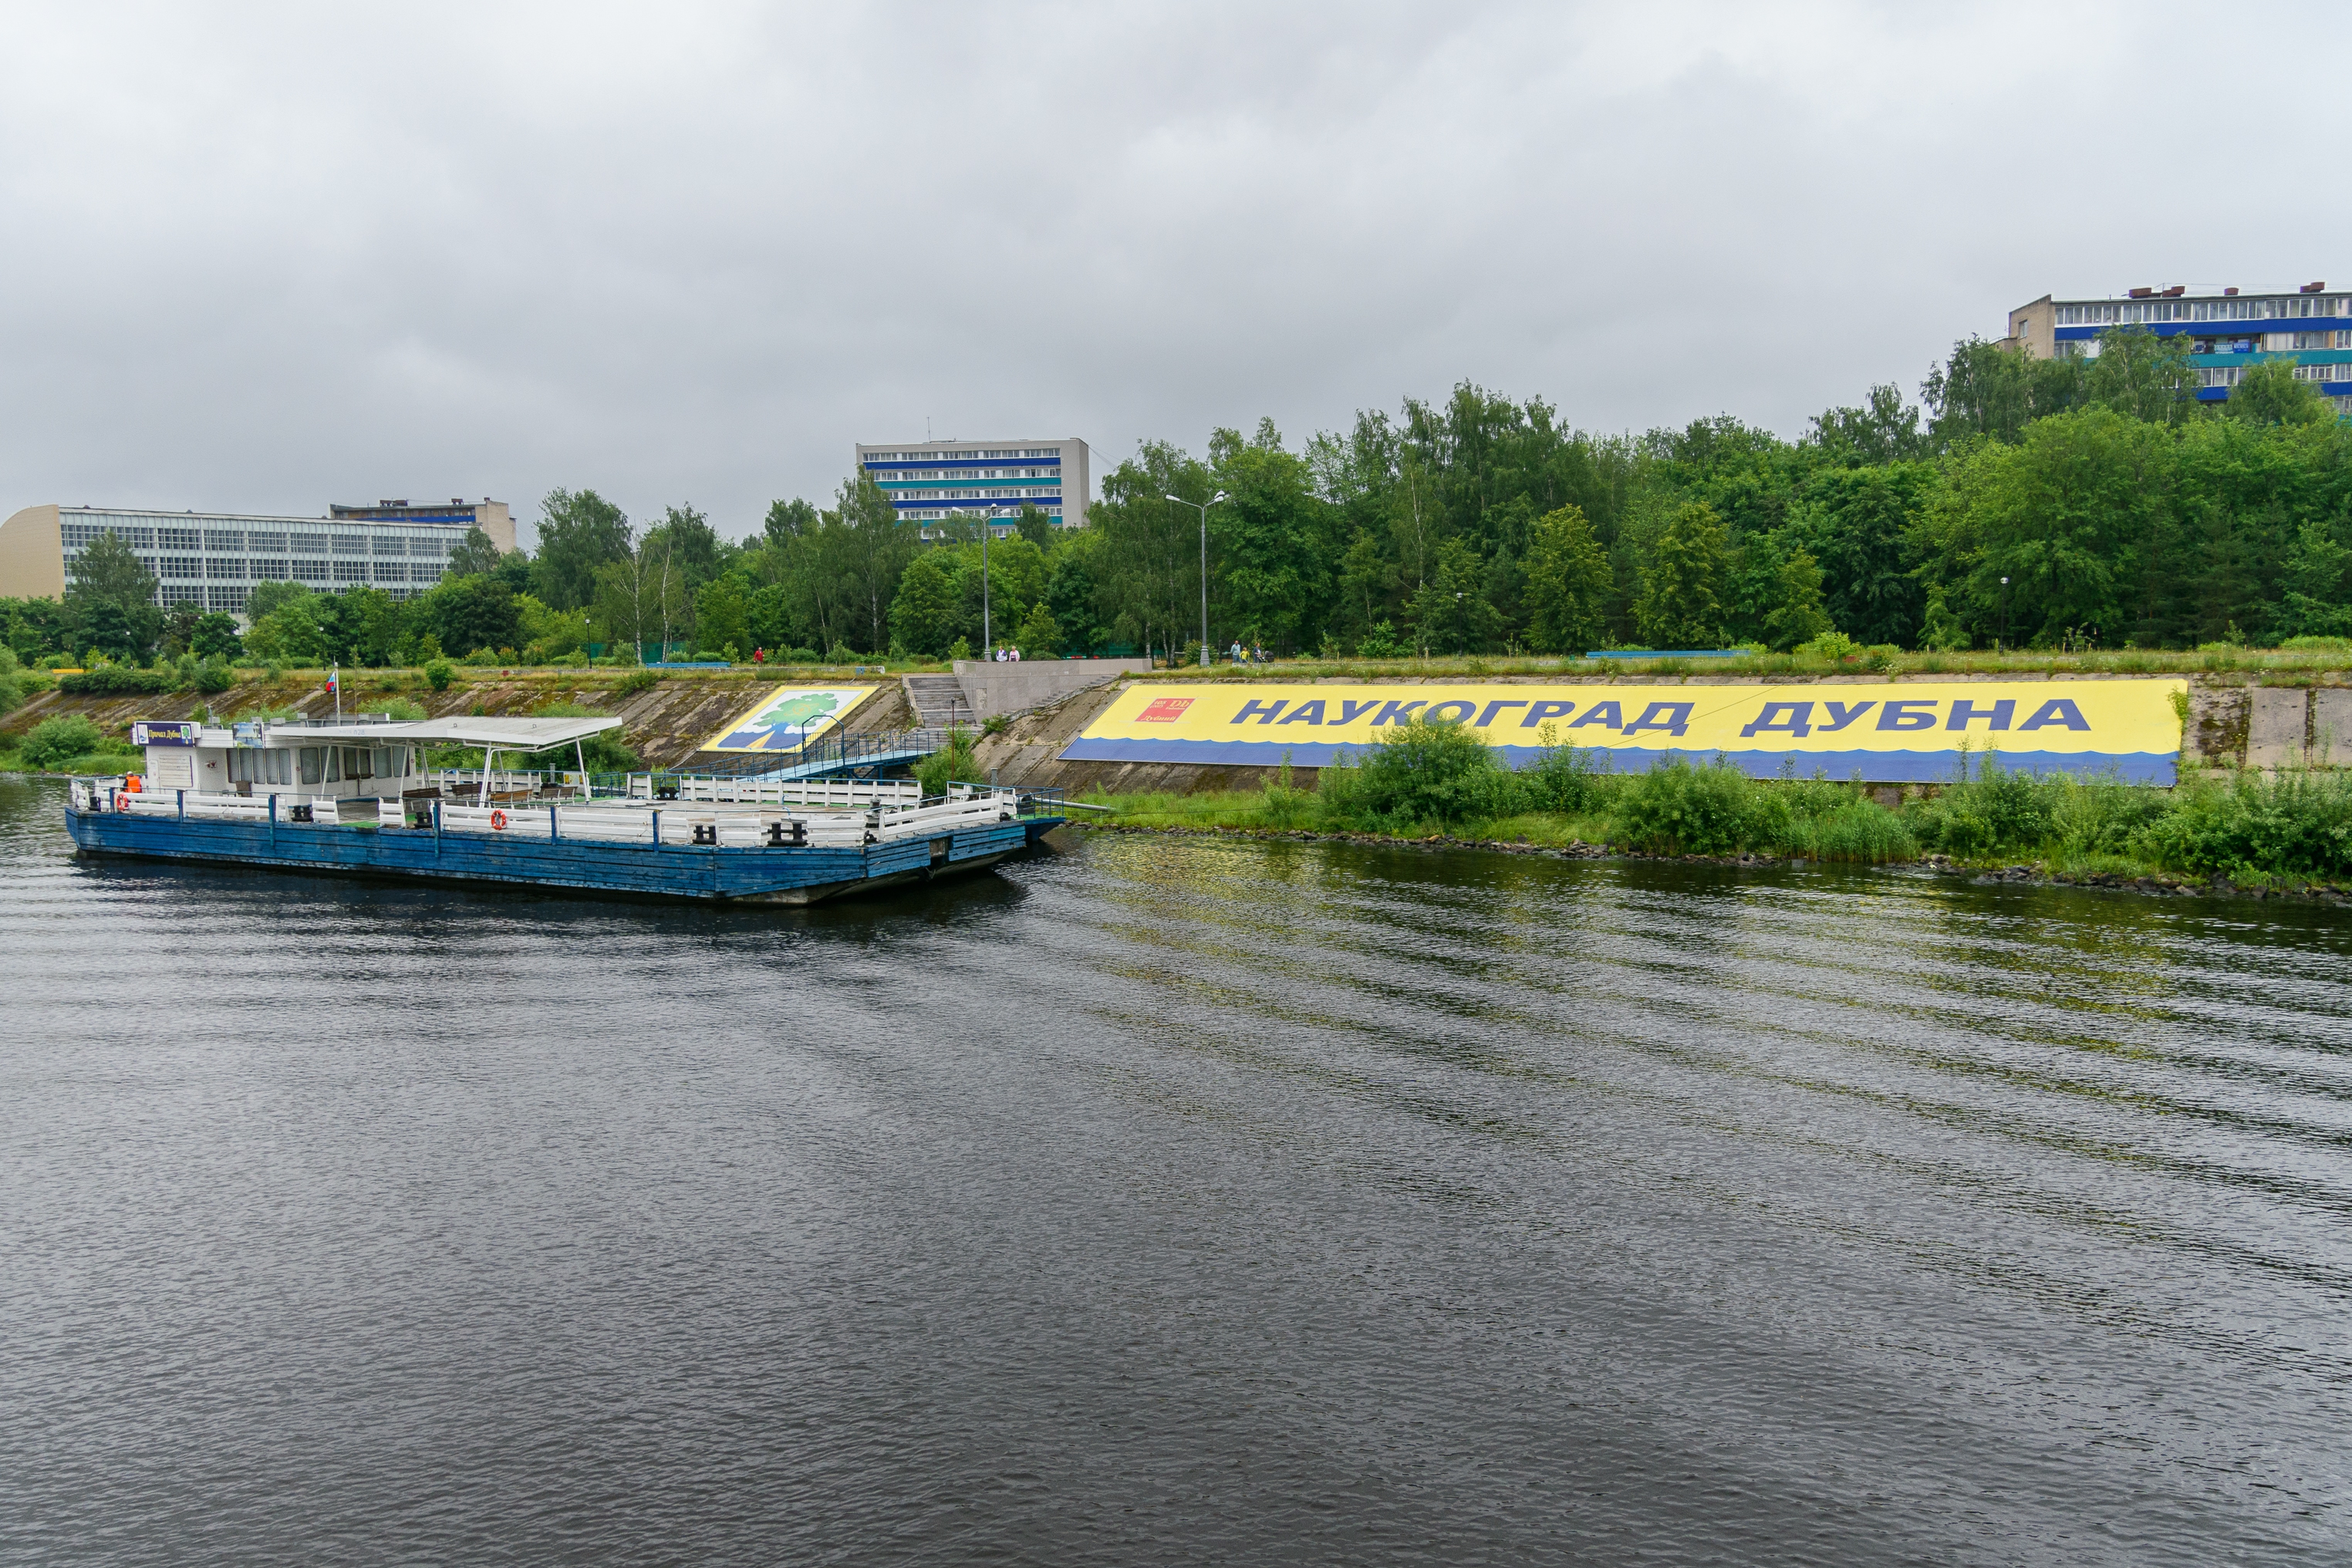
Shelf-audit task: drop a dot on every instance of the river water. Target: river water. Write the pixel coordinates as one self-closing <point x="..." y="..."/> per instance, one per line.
<point x="1170" y="1200"/>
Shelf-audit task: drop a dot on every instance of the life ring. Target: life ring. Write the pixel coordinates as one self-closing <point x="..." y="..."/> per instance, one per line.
<point x="122" y="800"/>
<point x="499" y="821"/>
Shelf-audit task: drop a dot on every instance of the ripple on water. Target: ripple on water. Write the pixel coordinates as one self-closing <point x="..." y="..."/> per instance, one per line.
<point x="1171" y="1200"/>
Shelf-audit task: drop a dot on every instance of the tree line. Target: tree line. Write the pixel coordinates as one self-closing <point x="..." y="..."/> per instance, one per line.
<point x="2074" y="502"/>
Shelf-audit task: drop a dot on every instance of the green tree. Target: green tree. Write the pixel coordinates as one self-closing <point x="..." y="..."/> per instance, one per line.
<point x="469" y="614"/>
<point x="216" y="637"/>
<point x="1985" y="389"/>
<point x="579" y="533"/>
<point x="2318" y="601"/>
<point x="289" y="633"/>
<point x="869" y="554"/>
<point x="1035" y="526"/>
<point x="1885" y="430"/>
<point x="111" y="598"/>
<point x="926" y="611"/>
<point x="179" y="622"/>
<point x="475" y="556"/>
<point x="1150" y="571"/>
<point x="2148" y="376"/>
<point x="1857" y="522"/>
<point x="1040" y="637"/>
<point x="721" y="616"/>
<point x="264" y="597"/>
<point x="1451" y="613"/>
<point x="1683" y="586"/>
<point x="1568" y="583"/>
<point x="372" y="625"/>
<point x="787" y="521"/>
<point x="1271" y="560"/>
<point x="2271" y="393"/>
<point x="1796" y="616"/>
<point x="2061" y="516"/>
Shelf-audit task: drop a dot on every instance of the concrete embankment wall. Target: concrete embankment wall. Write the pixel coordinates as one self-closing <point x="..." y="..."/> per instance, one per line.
<point x="664" y="723"/>
<point x="2229" y="724"/>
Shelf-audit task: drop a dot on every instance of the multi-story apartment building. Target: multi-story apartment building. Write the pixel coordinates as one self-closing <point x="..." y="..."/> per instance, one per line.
<point x="2228" y="331"/>
<point x="935" y="482"/>
<point x="213" y="558"/>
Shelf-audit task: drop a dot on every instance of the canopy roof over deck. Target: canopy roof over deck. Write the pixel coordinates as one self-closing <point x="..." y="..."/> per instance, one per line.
<point x="497" y="734"/>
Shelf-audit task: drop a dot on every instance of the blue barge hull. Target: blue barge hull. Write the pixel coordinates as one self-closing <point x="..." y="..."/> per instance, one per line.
<point x="787" y="874"/>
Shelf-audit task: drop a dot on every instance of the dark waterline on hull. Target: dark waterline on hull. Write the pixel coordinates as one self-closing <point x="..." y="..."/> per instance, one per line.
<point x="1171" y="1200"/>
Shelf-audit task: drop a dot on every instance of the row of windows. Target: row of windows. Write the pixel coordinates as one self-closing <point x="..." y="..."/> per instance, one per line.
<point x="172" y="569"/>
<point x="971" y="472"/>
<point x="950" y="456"/>
<point x="317" y="763"/>
<point x="1042" y="492"/>
<point x="2231" y="375"/>
<point x="934" y="514"/>
<point x="2126" y="310"/>
<point x="296" y="541"/>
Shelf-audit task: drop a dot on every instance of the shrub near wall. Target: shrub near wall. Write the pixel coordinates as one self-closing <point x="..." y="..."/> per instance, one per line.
<point x="117" y="681"/>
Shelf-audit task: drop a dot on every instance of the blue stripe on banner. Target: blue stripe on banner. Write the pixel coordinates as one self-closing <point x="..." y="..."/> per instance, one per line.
<point x="1877" y="767"/>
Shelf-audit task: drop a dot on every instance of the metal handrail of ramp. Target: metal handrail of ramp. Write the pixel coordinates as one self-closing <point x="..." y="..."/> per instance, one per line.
<point x="826" y="754"/>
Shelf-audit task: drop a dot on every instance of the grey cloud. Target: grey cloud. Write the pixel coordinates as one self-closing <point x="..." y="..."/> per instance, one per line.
<point x="267" y="259"/>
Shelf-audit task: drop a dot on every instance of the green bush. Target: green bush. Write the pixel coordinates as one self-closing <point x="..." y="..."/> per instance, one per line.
<point x="1421" y="773"/>
<point x="402" y="709"/>
<point x="437" y="674"/>
<point x="116" y="681"/>
<point x="55" y="740"/>
<point x="1675" y="808"/>
<point x="1563" y="779"/>
<point x="951" y="764"/>
<point x="638" y="680"/>
<point x="2295" y="824"/>
<point x="1999" y="812"/>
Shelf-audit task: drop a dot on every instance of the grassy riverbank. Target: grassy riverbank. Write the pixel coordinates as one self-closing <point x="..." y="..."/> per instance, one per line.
<point x="2250" y="829"/>
<point x="2300" y="661"/>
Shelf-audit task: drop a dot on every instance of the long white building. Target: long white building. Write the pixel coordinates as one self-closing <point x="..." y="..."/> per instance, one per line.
<point x="213" y="558"/>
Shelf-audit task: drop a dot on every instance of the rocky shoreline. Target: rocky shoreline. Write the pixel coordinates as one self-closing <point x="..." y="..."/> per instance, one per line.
<point x="2156" y="886"/>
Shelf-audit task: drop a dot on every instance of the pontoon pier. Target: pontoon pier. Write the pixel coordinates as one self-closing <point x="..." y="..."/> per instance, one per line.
<point x="352" y="798"/>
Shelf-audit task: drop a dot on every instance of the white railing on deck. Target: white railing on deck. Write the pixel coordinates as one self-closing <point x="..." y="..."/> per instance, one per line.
<point x="901" y="814"/>
<point x="842" y="792"/>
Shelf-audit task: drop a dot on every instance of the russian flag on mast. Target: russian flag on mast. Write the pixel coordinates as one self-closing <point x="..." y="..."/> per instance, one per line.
<point x="335" y="684"/>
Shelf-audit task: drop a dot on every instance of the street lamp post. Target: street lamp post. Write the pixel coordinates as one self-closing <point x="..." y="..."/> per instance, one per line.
<point x="987" y="631"/>
<point x="1202" y="508"/>
<point x="2005" y="616"/>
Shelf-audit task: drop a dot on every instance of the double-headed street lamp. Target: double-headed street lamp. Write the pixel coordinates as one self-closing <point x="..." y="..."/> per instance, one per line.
<point x="1202" y="508"/>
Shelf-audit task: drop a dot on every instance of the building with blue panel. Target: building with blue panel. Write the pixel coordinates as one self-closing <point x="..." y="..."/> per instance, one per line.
<point x="2228" y="330"/>
<point x="937" y="483"/>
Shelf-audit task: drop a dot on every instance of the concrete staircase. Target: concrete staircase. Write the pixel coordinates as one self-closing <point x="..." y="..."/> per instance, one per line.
<point x="939" y="701"/>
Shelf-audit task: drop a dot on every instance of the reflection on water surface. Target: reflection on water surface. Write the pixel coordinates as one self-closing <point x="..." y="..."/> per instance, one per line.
<point x="1171" y="1199"/>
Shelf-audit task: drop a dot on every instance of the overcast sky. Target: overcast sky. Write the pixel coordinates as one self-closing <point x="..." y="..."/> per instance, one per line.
<point x="259" y="260"/>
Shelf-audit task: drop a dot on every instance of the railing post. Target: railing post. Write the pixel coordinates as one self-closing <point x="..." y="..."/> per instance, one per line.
<point x="554" y="833"/>
<point x="184" y="805"/>
<point x="657" y="828"/>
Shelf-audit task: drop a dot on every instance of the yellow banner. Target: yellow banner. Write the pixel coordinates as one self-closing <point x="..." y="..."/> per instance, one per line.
<point x="788" y="717"/>
<point x="1890" y="731"/>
